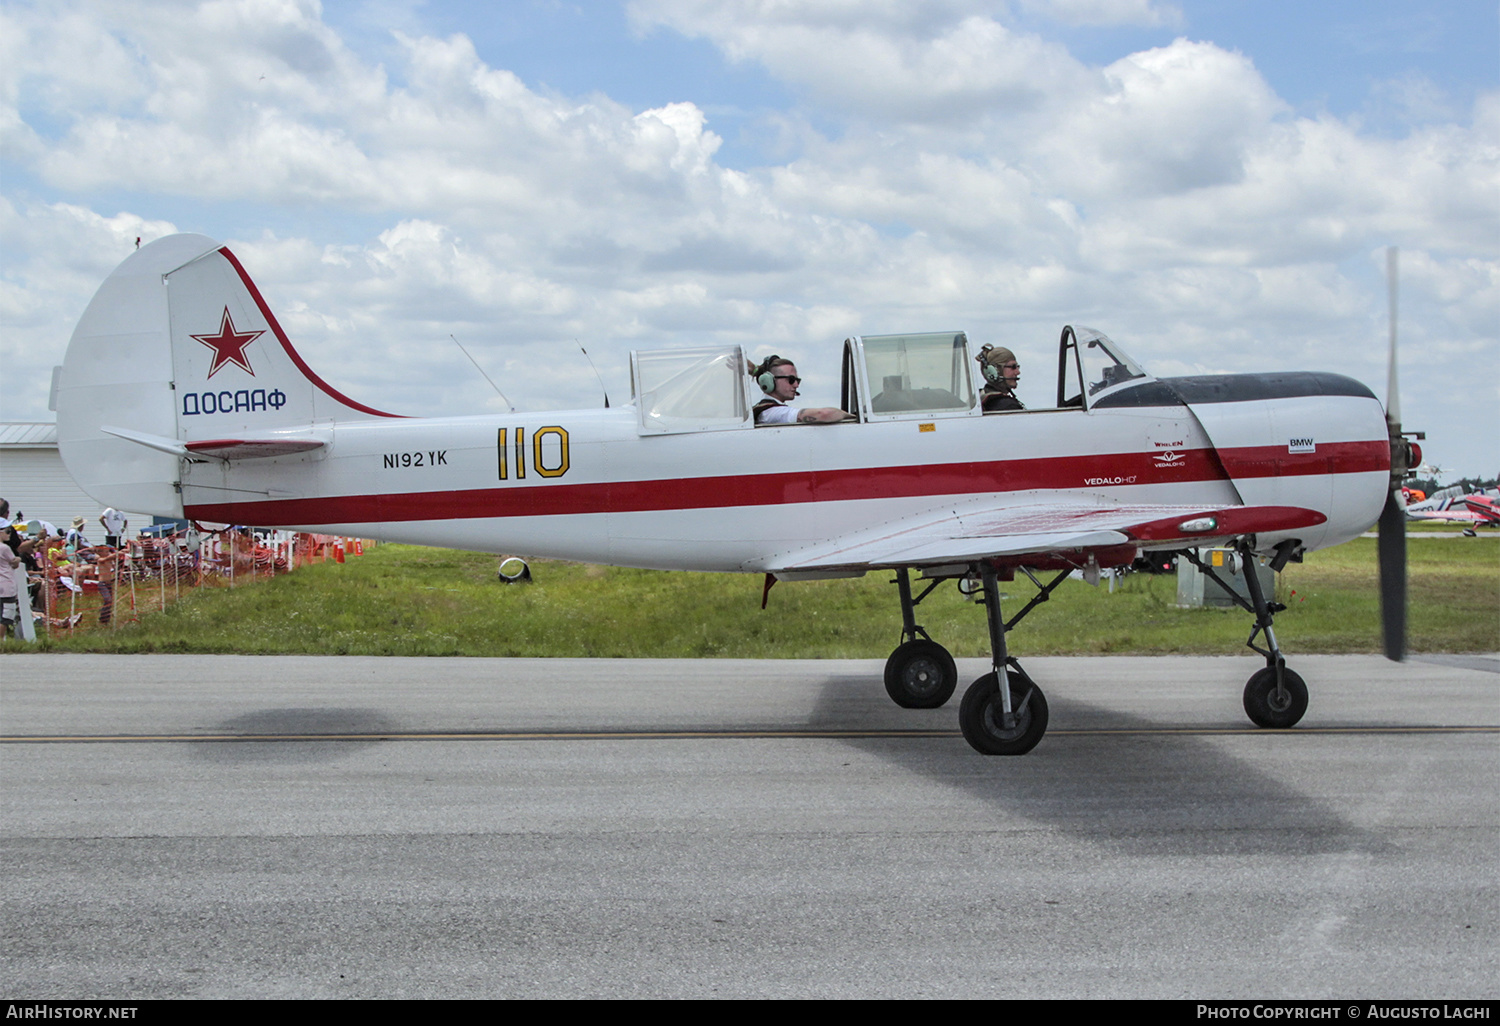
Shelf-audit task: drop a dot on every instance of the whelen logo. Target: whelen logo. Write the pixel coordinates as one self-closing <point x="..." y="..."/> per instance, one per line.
<point x="1301" y="445"/>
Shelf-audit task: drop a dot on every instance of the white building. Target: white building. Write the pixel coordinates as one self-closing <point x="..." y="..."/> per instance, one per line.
<point x="39" y="487"/>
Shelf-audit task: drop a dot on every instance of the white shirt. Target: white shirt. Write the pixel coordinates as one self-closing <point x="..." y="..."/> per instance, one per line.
<point x="780" y="414"/>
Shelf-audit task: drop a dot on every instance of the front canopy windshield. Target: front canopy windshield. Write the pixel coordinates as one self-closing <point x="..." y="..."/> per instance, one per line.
<point x="912" y="373"/>
<point x="1096" y="360"/>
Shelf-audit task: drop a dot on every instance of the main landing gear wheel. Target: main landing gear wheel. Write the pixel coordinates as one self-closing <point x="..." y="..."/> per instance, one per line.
<point x="983" y="723"/>
<point x="1266" y="708"/>
<point x="920" y="675"/>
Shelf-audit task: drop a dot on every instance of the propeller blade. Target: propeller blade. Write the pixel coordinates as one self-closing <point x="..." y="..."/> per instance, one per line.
<point x="1392" y="552"/>
<point x="1392" y="389"/>
<point x="1391" y="546"/>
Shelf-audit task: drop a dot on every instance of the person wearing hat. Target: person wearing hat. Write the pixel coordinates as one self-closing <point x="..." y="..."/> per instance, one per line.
<point x="1001" y="375"/>
<point x="75" y="539"/>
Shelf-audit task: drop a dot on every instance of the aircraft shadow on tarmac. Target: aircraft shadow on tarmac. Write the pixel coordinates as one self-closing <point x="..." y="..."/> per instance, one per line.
<point x="295" y="723"/>
<point x="1132" y="785"/>
<point x="1145" y="792"/>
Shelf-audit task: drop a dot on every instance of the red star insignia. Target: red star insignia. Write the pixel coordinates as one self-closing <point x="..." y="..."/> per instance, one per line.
<point x="229" y="345"/>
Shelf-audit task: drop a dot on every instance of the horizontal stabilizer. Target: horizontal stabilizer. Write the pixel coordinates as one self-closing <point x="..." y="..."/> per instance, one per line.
<point x="219" y="448"/>
<point x="161" y="443"/>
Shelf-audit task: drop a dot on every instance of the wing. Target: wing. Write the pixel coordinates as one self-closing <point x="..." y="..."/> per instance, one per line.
<point x="1483" y="506"/>
<point x="965" y="534"/>
<point x="1455" y="515"/>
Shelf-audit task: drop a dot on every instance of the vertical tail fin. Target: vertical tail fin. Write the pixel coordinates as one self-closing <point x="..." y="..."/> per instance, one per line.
<point x="178" y="349"/>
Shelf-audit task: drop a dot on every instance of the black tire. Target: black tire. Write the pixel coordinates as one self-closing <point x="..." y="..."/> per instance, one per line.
<point x="1265" y="708"/>
<point x="979" y="716"/>
<point x="920" y="675"/>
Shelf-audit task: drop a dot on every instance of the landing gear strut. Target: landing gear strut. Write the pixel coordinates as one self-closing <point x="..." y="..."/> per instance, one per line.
<point x="920" y="674"/>
<point x="1275" y="697"/>
<point x="1009" y="720"/>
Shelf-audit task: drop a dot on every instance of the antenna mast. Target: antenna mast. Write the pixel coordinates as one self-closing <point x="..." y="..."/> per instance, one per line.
<point x="480" y="369"/>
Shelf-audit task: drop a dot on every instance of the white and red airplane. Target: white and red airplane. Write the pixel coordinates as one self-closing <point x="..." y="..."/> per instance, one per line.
<point x="182" y="396"/>
<point x="1479" y="510"/>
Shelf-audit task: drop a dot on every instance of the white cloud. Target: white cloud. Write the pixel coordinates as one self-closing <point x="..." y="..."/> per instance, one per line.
<point x="1167" y="121"/>
<point x="942" y="63"/>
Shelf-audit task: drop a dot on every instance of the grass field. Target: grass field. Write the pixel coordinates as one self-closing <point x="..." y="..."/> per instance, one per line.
<point x="402" y="600"/>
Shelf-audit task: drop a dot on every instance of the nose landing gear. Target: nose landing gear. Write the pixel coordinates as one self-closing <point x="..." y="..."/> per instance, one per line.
<point x="1275" y="697"/>
<point x="1275" y="704"/>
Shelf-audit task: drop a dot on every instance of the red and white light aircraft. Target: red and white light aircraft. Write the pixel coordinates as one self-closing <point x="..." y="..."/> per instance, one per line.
<point x="181" y="396"/>
<point x="1479" y="510"/>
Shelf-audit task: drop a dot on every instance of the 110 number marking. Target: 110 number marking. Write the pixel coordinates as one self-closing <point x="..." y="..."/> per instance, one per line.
<point x="541" y="453"/>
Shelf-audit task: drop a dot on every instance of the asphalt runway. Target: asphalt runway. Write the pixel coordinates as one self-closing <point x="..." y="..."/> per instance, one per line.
<point x="187" y="826"/>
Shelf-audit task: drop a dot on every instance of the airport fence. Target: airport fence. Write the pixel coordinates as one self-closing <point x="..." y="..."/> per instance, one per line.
<point x="99" y="587"/>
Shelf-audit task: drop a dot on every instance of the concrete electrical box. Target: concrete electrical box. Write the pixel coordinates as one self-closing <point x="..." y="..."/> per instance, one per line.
<point x="1195" y="588"/>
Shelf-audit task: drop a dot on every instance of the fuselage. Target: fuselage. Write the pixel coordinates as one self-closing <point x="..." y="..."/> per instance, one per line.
<point x="585" y="485"/>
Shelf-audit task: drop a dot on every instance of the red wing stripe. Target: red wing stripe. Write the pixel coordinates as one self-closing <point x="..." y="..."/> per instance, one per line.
<point x="547" y="499"/>
<point x="1231" y="521"/>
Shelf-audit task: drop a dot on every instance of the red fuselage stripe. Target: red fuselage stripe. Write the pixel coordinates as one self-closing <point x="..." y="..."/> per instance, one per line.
<point x="542" y="498"/>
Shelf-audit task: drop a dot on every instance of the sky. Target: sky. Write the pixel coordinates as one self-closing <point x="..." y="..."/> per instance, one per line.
<point x="1212" y="183"/>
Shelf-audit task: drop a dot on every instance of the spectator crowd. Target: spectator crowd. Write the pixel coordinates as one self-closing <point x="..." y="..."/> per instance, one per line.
<point x="61" y="579"/>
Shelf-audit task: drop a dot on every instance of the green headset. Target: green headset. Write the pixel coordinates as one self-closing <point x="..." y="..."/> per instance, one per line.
<point x="763" y="376"/>
<point x="991" y="371"/>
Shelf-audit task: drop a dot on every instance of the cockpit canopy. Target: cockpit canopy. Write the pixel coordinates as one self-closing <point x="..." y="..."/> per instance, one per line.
<point x="885" y="377"/>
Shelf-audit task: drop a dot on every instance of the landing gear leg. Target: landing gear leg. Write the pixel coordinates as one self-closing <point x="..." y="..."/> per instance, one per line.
<point x="995" y="719"/>
<point x="1275" y="697"/>
<point x="920" y="674"/>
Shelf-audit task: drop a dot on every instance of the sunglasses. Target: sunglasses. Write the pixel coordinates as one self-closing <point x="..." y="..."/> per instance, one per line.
<point x="789" y="377"/>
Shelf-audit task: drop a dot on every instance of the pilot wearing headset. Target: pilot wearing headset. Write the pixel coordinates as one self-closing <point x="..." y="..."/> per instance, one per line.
<point x="1001" y="375"/>
<point x="777" y="377"/>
